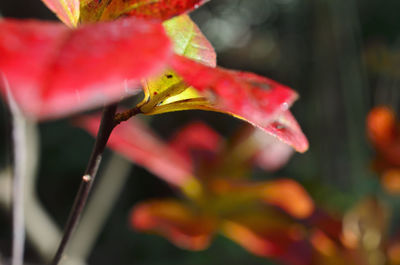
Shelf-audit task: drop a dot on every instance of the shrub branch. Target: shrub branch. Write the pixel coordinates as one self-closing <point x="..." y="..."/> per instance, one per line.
<point x="107" y="125"/>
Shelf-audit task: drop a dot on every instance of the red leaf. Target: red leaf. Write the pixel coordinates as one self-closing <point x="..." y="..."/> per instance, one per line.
<point x="286" y="128"/>
<point x="156" y="9"/>
<point x="287" y="194"/>
<point x="53" y="70"/>
<point x="270" y="236"/>
<point x="390" y="180"/>
<point x="330" y="225"/>
<point x="196" y="136"/>
<point x="381" y="126"/>
<point x="247" y="96"/>
<point x="290" y="196"/>
<point x="136" y="142"/>
<point x="165" y="9"/>
<point x="174" y="220"/>
<point x="384" y="132"/>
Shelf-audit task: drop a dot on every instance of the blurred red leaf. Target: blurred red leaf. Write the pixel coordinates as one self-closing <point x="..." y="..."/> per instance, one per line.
<point x="290" y="196"/>
<point x="381" y="125"/>
<point x="136" y="142"/>
<point x="384" y="132"/>
<point x="390" y="180"/>
<point x="271" y="153"/>
<point x="196" y="137"/>
<point x="247" y="96"/>
<point x="96" y="10"/>
<point x="262" y="231"/>
<point x="287" y="194"/>
<point x="271" y="236"/>
<point x="53" y="70"/>
<point x="323" y="243"/>
<point x="330" y="225"/>
<point x="393" y="251"/>
<point x="176" y="222"/>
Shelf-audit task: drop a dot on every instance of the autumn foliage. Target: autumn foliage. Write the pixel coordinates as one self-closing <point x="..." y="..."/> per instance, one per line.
<point x="384" y="133"/>
<point x="107" y="51"/>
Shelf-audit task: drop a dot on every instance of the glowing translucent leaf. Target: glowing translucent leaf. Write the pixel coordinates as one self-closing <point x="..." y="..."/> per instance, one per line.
<point x="136" y="142"/>
<point x="66" y="10"/>
<point x="188" y="40"/>
<point x="54" y="71"/>
<point x="168" y="88"/>
<point x="175" y="221"/>
<point x="255" y="99"/>
<point x="96" y="10"/>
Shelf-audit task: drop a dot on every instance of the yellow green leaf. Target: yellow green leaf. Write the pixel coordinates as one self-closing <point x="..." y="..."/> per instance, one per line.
<point x="189" y="41"/>
<point x="168" y="92"/>
<point x="66" y="10"/>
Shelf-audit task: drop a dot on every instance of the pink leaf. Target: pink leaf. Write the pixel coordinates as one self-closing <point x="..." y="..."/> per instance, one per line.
<point x="54" y="71"/>
<point x="255" y="99"/>
<point x="136" y="142"/>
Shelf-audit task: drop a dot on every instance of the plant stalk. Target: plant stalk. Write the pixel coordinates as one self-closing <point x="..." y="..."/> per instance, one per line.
<point x="107" y="125"/>
<point x="19" y="174"/>
<point x="126" y="115"/>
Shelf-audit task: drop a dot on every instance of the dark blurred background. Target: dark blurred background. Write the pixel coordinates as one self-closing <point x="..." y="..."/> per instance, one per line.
<point x="342" y="58"/>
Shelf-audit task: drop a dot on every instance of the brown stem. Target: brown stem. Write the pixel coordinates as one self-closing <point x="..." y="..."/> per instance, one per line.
<point x="126" y="115"/>
<point x="107" y="124"/>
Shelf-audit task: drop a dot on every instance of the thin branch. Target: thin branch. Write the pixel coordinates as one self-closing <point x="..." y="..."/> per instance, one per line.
<point x="126" y="115"/>
<point x="106" y="126"/>
<point x="19" y="164"/>
<point x="98" y="209"/>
